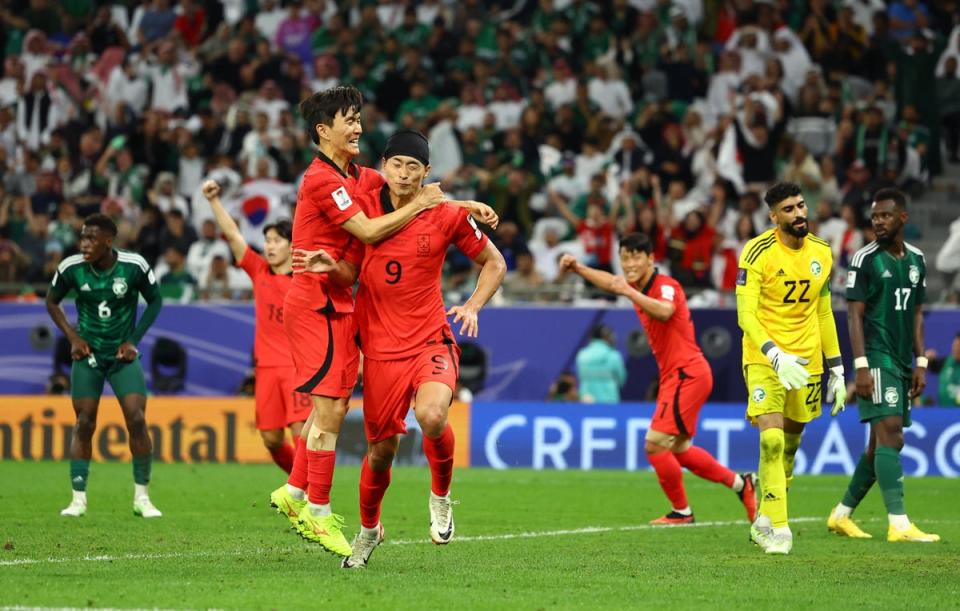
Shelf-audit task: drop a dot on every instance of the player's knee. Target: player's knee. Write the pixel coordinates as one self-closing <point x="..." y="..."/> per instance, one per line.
<point x="86" y="425"/>
<point x="380" y="456"/>
<point x="771" y="445"/>
<point x="137" y="425"/>
<point x="654" y="448"/>
<point x="432" y="419"/>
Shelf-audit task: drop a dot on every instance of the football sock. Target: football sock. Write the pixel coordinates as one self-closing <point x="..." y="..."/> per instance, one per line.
<point x="772" y="477"/>
<point x="141" y="469"/>
<point x="738" y="482"/>
<point x="439" y="451"/>
<point x="890" y="479"/>
<point x="320" y="464"/>
<point x="298" y="472"/>
<point x="900" y="522"/>
<point x="370" y="533"/>
<point x="283" y="456"/>
<point x="686" y="511"/>
<point x="863" y="478"/>
<point x="791" y="443"/>
<point x="79" y="496"/>
<point x="319" y="510"/>
<point x="373" y="485"/>
<point x="700" y="462"/>
<point x="671" y="477"/>
<point x="79" y="472"/>
<point x="842" y="511"/>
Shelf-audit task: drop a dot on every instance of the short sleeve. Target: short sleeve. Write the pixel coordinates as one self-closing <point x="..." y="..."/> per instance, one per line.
<point x="331" y="199"/>
<point x="467" y="236"/>
<point x="62" y="283"/>
<point x="253" y="263"/>
<point x="922" y="285"/>
<point x="355" y="252"/>
<point x="858" y="281"/>
<point x="666" y="292"/>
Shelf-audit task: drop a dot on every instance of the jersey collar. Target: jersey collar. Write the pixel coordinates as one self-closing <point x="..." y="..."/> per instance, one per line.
<point x="646" y="287"/>
<point x="385" y="200"/>
<point x="351" y="166"/>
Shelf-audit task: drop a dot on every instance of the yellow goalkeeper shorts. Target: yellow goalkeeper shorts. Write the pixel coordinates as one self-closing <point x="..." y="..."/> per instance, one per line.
<point x="766" y="395"/>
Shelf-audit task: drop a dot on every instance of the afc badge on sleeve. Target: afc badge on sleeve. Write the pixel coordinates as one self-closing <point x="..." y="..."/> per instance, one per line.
<point x="341" y="198"/>
<point x="741" y="276"/>
<point x="851" y="279"/>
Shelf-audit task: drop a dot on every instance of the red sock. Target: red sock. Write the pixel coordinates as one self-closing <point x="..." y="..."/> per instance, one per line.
<point x="298" y="470"/>
<point x="283" y="456"/>
<point x="702" y="464"/>
<point x="373" y="485"/>
<point x="670" y="476"/>
<point x="439" y="451"/>
<point x="320" y="465"/>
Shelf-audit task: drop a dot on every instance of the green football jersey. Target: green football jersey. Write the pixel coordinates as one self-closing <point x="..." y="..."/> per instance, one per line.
<point x="106" y="300"/>
<point x="891" y="290"/>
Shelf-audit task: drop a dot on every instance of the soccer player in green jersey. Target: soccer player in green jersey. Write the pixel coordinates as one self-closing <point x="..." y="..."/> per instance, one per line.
<point x="103" y="345"/>
<point x="886" y="283"/>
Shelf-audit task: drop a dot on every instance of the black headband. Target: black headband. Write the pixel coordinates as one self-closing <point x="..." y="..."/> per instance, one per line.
<point x="409" y="143"/>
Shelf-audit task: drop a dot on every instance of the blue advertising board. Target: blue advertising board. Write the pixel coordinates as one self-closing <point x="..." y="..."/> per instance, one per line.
<point x="506" y="435"/>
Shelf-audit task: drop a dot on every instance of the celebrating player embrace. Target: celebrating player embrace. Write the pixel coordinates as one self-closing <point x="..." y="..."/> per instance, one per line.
<point x="409" y="349"/>
<point x="784" y="309"/>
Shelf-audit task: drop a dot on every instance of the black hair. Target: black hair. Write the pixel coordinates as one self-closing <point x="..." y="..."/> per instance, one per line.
<point x="283" y="227"/>
<point x="323" y="106"/>
<point x="102" y="222"/>
<point x="601" y="332"/>
<point x="781" y="191"/>
<point x="636" y="242"/>
<point x="894" y="194"/>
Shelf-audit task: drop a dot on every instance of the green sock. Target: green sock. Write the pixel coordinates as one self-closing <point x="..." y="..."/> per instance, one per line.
<point x="791" y="443"/>
<point x="863" y="478"/>
<point x="79" y="472"/>
<point x="141" y="469"/>
<point x="890" y="477"/>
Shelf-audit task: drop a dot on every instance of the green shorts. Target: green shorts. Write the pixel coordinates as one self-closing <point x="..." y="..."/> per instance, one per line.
<point x="87" y="377"/>
<point x="891" y="397"/>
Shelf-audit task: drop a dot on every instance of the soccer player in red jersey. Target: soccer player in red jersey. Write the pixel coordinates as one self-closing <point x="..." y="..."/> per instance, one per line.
<point x="685" y="376"/>
<point x="318" y="313"/>
<point x="278" y="405"/>
<point x="408" y="346"/>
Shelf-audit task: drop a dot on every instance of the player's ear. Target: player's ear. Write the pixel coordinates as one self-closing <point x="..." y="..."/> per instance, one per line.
<point x="426" y="171"/>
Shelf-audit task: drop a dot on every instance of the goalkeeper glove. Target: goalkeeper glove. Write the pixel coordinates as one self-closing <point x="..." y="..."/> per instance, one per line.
<point x="837" y="387"/>
<point x="789" y="367"/>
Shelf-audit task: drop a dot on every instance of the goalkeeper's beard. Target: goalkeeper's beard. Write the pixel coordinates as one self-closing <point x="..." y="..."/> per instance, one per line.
<point x="796" y="231"/>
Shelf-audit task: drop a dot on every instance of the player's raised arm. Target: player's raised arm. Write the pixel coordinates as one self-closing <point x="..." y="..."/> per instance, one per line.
<point x="493" y="269"/>
<point x="238" y="246"/>
<point x="479" y="211"/>
<point x="371" y="231"/>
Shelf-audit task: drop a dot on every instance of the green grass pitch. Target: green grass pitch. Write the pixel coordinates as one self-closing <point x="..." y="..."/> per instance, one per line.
<point x="525" y="540"/>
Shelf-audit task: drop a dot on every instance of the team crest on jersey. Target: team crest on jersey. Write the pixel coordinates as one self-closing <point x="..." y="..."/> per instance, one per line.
<point x="891" y="396"/>
<point x="423" y="244"/>
<point x="914" y="275"/>
<point x="341" y="198"/>
<point x="758" y="395"/>
<point x="816" y="268"/>
<point x="119" y="287"/>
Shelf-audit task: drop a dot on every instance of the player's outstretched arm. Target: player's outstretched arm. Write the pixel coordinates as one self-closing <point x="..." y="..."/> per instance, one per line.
<point x="655" y="308"/>
<point x="837" y="383"/>
<point x="493" y="269"/>
<point x="238" y="246"/>
<point x="479" y="211"/>
<point x="371" y="231"/>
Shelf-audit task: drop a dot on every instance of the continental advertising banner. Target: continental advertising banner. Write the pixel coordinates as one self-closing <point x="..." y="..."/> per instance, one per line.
<point x="575" y="436"/>
<point x="185" y="429"/>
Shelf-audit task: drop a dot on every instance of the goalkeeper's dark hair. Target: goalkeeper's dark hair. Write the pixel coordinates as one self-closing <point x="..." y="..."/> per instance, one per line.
<point x="781" y="191"/>
<point x="323" y="106"/>
<point x="892" y="194"/>
<point x="636" y="242"/>
<point x="104" y="223"/>
<point x="283" y="228"/>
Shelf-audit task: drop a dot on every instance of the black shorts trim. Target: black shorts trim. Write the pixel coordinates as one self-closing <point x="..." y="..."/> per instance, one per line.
<point x="327" y="361"/>
<point x="678" y="420"/>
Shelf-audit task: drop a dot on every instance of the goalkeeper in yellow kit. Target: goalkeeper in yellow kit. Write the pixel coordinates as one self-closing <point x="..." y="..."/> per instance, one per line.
<point x="784" y="310"/>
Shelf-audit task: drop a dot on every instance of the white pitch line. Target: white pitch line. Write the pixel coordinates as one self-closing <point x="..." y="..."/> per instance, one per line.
<point x="502" y="537"/>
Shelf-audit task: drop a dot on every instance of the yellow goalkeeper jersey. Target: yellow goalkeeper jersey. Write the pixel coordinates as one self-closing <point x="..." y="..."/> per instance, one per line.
<point x="786" y="285"/>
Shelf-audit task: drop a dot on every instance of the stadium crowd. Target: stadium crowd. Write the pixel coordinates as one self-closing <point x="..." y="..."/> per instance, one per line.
<point x="578" y="121"/>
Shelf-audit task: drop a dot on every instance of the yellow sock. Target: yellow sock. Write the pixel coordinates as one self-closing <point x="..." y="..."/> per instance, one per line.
<point x="791" y="443"/>
<point x="773" y="482"/>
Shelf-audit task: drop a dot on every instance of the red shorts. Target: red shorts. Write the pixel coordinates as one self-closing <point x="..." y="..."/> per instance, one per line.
<point x="324" y="348"/>
<point x="680" y="398"/>
<point x="278" y="404"/>
<point x="389" y="387"/>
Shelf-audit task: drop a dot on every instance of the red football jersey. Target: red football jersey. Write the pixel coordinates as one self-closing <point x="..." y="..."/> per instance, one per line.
<point x="270" y="347"/>
<point x="326" y="200"/>
<point x="400" y="305"/>
<point x="597" y="241"/>
<point x="673" y="341"/>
